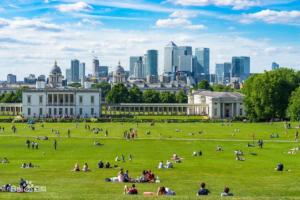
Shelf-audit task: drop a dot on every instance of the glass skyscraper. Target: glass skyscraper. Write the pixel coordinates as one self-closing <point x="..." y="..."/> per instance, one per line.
<point x="151" y="63"/>
<point x="202" y="55"/>
<point x="75" y="70"/>
<point x="240" y="70"/>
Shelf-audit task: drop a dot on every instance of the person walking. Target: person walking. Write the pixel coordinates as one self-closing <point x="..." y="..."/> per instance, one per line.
<point x="55" y="144"/>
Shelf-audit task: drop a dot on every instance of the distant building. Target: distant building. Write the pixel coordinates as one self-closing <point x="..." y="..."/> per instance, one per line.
<point x="41" y="78"/>
<point x="240" y="69"/>
<point x="11" y="79"/>
<point x="31" y="79"/>
<point x="170" y="57"/>
<point x="103" y="71"/>
<point x="138" y="68"/>
<point x="96" y="67"/>
<point x="69" y="75"/>
<point x="221" y="105"/>
<point x="82" y="72"/>
<point x="203" y="59"/>
<point x="119" y="75"/>
<point x="75" y="71"/>
<point x="275" y="66"/>
<point x="55" y="76"/>
<point x="223" y="73"/>
<point x="132" y="61"/>
<point x="151" y="66"/>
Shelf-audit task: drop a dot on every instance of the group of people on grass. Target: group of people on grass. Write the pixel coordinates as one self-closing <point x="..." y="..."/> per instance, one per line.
<point x="85" y="168"/>
<point x="28" y="165"/>
<point x="131" y="134"/>
<point x="147" y="176"/>
<point x="122" y="158"/>
<point x="33" y="144"/>
<point x="168" y="165"/>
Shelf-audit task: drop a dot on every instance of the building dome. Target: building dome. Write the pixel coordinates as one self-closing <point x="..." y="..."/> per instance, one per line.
<point x="56" y="69"/>
<point x="120" y="69"/>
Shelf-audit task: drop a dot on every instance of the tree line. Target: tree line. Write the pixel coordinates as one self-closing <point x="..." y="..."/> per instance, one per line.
<point x="11" y="97"/>
<point x="121" y="94"/>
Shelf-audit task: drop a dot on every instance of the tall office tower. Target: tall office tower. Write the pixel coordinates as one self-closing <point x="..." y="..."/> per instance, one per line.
<point x="202" y="55"/>
<point x="170" y="57"/>
<point x="151" y="63"/>
<point x="145" y="58"/>
<point x="11" y="79"/>
<point x="96" y="65"/>
<point x="75" y="71"/>
<point x="138" y="68"/>
<point x="82" y="72"/>
<point x="68" y="75"/>
<point x="240" y="70"/>
<point x="227" y="72"/>
<point x="103" y="71"/>
<point x="132" y="61"/>
<point x="185" y="63"/>
<point x="219" y="73"/>
<point x="275" y="65"/>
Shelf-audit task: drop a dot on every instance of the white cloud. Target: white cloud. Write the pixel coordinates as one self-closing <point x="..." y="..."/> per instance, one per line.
<point x="177" y="23"/>
<point x="273" y="17"/>
<point x="235" y="4"/>
<point x="37" y="24"/>
<point x="184" y="14"/>
<point x="75" y="7"/>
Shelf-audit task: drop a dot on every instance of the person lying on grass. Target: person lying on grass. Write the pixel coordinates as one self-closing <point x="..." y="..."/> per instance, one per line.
<point x="176" y="158"/>
<point x="161" y="191"/>
<point x="29" y="165"/>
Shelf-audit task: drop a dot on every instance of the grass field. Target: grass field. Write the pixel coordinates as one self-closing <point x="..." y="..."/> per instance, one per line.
<point x="254" y="178"/>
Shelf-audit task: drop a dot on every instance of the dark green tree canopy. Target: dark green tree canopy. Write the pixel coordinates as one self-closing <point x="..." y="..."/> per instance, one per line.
<point x="293" y="110"/>
<point x="118" y="94"/>
<point x="151" y="96"/>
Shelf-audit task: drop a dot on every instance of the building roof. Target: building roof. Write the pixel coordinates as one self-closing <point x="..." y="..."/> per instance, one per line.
<point x="220" y="95"/>
<point x="171" y="44"/>
<point x="55" y="69"/>
<point x="119" y="69"/>
<point x="62" y="90"/>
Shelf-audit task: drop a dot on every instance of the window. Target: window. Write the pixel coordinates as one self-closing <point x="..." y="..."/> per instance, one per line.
<point x="29" y="99"/>
<point x="29" y="111"/>
<point x="71" y="98"/>
<point x="49" y="111"/>
<point x="92" y="111"/>
<point x="215" y="112"/>
<point x="80" y="99"/>
<point x="71" y="111"/>
<point x="41" y="111"/>
<point x="92" y="99"/>
<point x="41" y="99"/>
<point x="55" y="111"/>
<point x="60" y="111"/>
<point x="241" y="111"/>
<point x="80" y="111"/>
<point x="50" y="98"/>
<point x="66" y="111"/>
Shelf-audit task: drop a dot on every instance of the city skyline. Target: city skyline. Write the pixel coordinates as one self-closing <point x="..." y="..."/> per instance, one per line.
<point x="266" y="31"/>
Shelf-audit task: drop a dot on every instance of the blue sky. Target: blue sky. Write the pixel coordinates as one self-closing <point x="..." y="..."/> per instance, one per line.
<point x="35" y="33"/>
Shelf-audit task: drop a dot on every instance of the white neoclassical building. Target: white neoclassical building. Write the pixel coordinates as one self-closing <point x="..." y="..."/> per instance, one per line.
<point x="61" y="102"/>
<point x="220" y="105"/>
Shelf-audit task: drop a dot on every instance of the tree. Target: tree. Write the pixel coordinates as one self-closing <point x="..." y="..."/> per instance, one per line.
<point x="267" y="95"/>
<point x="293" y="110"/>
<point x="151" y="96"/>
<point x="204" y="85"/>
<point x="221" y="88"/>
<point x="181" y="97"/>
<point x="104" y="86"/>
<point x="167" y="97"/>
<point x="135" y="95"/>
<point x="118" y="94"/>
<point x="75" y="85"/>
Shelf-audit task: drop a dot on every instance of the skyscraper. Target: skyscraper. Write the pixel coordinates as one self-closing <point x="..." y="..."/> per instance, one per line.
<point x="132" y="61"/>
<point x="202" y="55"/>
<point x="96" y="65"/>
<point x="138" y="68"/>
<point x="11" y="78"/>
<point x="75" y="71"/>
<point x="185" y="63"/>
<point x="82" y="72"/>
<point x="240" y="70"/>
<point x="68" y="75"/>
<point x="223" y="73"/>
<point x="170" y="57"/>
<point x="103" y="71"/>
<point x="275" y="65"/>
<point x="151" y="63"/>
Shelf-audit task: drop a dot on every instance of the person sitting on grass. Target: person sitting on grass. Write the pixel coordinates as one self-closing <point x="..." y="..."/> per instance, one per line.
<point x="4" y="160"/>
<point x="226" y="192"/>
<point x="161" y="191"/>
<point x="169" y="164"/>
<point x="130" y="191"/>
<point x="202" y="190"/>
<point x="279" y="167"/>
<point x="100" y="164"/>
<point x="150" y="176"/>
<point x="161" y="165"/>
<point x="107" y="165"/>
<point x="121" y="176"/>
<point x="23" y="185"/>
<point x="127" y="177"/>
<point x="76" y="168"/>
<point x="85" y="168"/>
<point x="219" y="148"/>
<point x="176" y="158"/>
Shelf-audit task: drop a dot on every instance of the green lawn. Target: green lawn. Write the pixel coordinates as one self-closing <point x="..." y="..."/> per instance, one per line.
<point x="254" y="178"/>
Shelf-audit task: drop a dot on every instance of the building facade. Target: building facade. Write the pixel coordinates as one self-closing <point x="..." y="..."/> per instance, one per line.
<point x="240" y="69"/>
<point x="54" y="102"/>
<point x="11" y="79"/>
<point x="221" y="105"/>
<point x="151" y="63"/>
